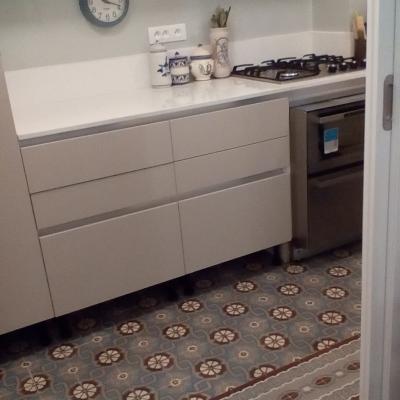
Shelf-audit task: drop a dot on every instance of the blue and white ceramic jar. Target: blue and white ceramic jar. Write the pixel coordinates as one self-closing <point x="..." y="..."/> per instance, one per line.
<point x="179" y="67"/>
<point x="159" y="67"/>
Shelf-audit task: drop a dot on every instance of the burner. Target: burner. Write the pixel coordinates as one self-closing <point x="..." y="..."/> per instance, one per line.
<point x="290" y="68"/>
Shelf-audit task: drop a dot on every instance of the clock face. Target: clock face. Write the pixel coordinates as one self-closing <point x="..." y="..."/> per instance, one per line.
<point x="104" y="12"/>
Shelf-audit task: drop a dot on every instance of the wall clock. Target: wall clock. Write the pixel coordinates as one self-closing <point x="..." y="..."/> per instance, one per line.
<point x="104" y="12"/>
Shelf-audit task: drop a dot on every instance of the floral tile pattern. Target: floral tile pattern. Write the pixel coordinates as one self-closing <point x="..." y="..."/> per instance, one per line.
<point x="245" y="320"/>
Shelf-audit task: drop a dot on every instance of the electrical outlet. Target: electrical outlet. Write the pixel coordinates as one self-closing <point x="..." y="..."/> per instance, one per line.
<point x="167" y="33"/>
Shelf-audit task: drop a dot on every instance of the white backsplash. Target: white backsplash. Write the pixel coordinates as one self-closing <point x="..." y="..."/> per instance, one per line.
<point x="122" y="74"/>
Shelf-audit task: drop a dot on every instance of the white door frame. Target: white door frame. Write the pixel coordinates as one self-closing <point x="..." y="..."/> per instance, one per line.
<point x="379" y="261"/>
<point x="392" y="332"/>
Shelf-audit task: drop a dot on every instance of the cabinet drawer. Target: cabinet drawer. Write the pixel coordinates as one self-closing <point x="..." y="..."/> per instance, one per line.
<point x="70" y="161"/>
<point x="132" y="190"/>
<point x="105" y="260"/>
<point x="220" y="130"/>
<point x="233" y="222"/>
<point x="218" y="168"/>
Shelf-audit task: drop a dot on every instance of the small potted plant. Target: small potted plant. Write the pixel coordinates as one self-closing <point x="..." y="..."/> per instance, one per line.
<point x="219" y="38"/>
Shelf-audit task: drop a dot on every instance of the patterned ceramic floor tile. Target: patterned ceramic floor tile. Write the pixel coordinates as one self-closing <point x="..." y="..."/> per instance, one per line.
<point x="246" y="319"/>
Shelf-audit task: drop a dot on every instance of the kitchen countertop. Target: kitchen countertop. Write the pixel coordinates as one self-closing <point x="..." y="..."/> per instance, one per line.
<point x="37" y="116"/>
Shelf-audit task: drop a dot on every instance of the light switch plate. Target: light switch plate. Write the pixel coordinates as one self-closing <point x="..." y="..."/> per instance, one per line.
<point x="167" y="33"/>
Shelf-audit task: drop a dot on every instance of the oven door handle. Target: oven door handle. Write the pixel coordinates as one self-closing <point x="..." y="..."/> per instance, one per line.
<point x="319" y="183"/>
<point x="339" y="117"/>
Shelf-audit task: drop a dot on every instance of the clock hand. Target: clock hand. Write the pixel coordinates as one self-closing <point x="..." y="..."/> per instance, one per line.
<point x="110" y="2"/>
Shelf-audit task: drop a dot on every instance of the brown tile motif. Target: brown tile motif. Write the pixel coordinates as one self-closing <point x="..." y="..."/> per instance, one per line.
<point x="34" y="384"/>
<point x="235" y="309"/>
<point x="191" y="305"/>
<point x="210" y="368"/>
<point x="324" y="344"/>
<point x="85" y="390"/>
<point x="224" y="336"/>
<point x="176" y="331"/>
<point x="159" y="362"/>
<point x="339" y="271"/>
<point x="62" y="351"/>
<point x="262" y="370"/>
<point x="245" y="286"/>
<point x="335" y="293"/>
<point x="109" y="356"/>
<point x="274" y="341"/>
<point x="282" y="313"/>
<point x="295" y="269"/>
<point x="140" y="393"/>
<point x="196" y="396"/>
<point x="130" y="327"/>
<point x="289" y="289"/>
<point x="332" y="317"/>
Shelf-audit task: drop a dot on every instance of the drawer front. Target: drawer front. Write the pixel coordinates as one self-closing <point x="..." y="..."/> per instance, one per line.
<point x="221" y="130"/>
<point x="234" y="222"/>
<point x="225" y="166"/>
<point x="105" y="260"/>
<point x="76" y="160"/>
<point x="133" y="190"/>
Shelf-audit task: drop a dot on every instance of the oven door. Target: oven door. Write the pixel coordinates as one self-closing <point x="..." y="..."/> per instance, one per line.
<point x="335" y="208"/>
<point x="335" y="137"/>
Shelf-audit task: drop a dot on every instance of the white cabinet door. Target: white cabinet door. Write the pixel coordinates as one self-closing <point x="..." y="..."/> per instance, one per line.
<point x="234" y="222"/>
<point x="108" y="259"/>
<point x="219" y="168"/>
<point x="226" y="129"/>
<point x="131" y="192"/>
<point x="82" y="159"/>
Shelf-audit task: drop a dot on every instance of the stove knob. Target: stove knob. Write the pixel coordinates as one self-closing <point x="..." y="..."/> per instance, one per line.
<point x="363" y="63"/>
<point x="343" y="66"/>
<point x="332" y="68"/>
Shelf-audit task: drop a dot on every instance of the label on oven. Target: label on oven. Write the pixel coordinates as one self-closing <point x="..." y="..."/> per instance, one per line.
<point x="331" y="140"/>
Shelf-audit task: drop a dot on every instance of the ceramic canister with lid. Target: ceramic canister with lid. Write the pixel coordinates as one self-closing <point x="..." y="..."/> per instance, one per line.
<point x="202" y="64"/>
<point x="159" y="66"/>
<point x="179" y="67"/>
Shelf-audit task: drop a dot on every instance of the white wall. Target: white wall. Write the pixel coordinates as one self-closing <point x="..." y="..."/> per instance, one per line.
<point x="42" y="32"/>
<point x="335" y="15"/>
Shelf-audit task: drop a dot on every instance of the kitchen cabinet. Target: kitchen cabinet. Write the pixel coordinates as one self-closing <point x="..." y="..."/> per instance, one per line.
<point x="104" y="260"/>
<point x="122" y="210"/>
<point x="233" y="222"/>
<point x="24" y="293"/>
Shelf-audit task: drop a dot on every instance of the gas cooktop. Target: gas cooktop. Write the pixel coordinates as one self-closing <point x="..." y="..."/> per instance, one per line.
<point x="288" y="69"/>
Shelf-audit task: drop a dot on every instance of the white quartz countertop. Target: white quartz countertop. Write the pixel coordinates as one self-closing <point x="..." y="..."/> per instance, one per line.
<point x="58" y="106"/>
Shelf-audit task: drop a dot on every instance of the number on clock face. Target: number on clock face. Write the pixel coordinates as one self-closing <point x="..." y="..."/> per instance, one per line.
<point x="104" y="12"/>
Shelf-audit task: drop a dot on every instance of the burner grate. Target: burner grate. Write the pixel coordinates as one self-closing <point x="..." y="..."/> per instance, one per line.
<point x="291" y="68"/>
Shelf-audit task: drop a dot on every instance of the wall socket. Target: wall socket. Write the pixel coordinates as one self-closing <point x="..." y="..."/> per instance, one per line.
<point x="167" y="33"/>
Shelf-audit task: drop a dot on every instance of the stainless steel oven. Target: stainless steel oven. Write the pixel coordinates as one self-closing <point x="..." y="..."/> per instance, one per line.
<point x="327" y="150"/>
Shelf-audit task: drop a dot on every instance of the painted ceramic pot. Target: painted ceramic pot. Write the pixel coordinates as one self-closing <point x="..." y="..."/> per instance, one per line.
<point x="202" y="64"/>
<point x="159" y="66"/>
<point x="219" y="39"/>
<point x="180" y="71"/>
